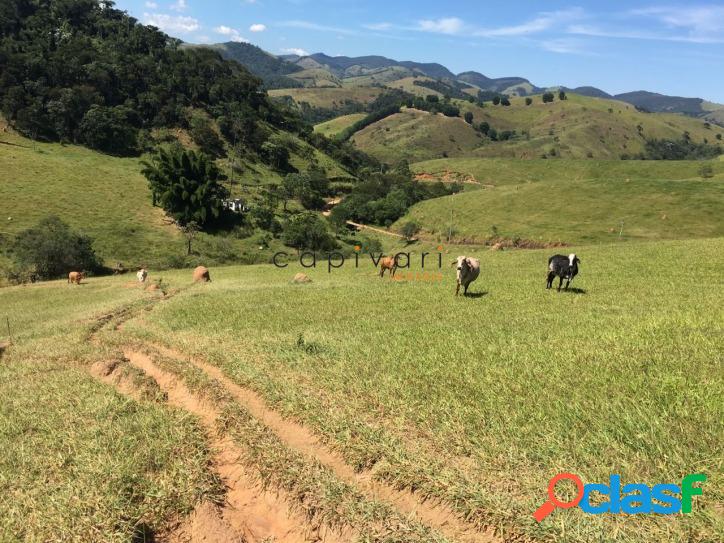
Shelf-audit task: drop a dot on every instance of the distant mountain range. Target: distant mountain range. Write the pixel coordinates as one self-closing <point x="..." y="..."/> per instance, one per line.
<point x="322" y="70"/>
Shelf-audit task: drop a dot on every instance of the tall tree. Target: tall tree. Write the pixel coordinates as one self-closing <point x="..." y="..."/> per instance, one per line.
<point x="186" y="184"/>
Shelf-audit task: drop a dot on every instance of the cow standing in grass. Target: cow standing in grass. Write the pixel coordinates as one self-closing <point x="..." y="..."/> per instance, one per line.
<point x="142" y="274"/>
<point x="468" y="270"/>
<point x="564" y="267"/>
<point x="75" y="277"/>
<point x="388" y="263"/>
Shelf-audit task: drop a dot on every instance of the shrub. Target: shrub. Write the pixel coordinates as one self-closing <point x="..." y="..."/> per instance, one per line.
<point x="468" y="117"/>
<point x="204" y="135"/>
<point x="528" y="101"/>
<point x="307" y="230"/>
<point x="547" y="97"/>
<point x="108" y="129"/>
<point x="51" y="249"/>
<point x="409" y="229"/>
<point x="706" y="171"/>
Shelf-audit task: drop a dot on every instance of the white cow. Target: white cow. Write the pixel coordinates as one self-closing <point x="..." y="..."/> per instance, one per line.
<point x="468" y="271"/>
<point x="142" y="274"/>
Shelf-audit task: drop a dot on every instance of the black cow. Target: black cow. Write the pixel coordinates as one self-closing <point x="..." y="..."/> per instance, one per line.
<point x="564" y="267"/>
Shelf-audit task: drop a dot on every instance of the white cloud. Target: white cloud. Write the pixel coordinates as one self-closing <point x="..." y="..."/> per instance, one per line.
<point x="232" y="33"/>
<point x="447" y="25"/>
<point x="257" y="27"/>
<point x="294" y="51"/>
<point x="171" y="23"/>
<point x="564" y="45"/>
<point x="379" y="26"/>
<point x="585" y="30"/>
<point x="179" y="5"/>
<point x="698" y="19"/>
<point x="542" y="22"/>
<point x="151" y="5"/>
<point x="306" y="25"/>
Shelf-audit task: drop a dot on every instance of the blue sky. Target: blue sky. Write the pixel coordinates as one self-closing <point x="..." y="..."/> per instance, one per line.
<point x="617" y="46"/>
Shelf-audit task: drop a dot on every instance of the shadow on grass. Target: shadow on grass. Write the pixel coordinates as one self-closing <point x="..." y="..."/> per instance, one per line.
<point x="476" y="294"/>
<point x="574" y="290"/>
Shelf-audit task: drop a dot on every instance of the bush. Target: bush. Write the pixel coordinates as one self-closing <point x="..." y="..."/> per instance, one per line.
<point x="547" y="97"/>
<point x="706" y="171"/>
<point x="204" y="136"/>
<point x="528" y="101"/>
<point x="409" y="229"/>
<point x="307" y="230"/>
<point x="468" y="117"/>
<point x="108" y="129"/>
<point x="51" y="249"/>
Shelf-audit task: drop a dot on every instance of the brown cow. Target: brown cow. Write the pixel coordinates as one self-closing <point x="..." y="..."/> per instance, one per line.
<point x="388" y="263"/>
<point x="75" y="277"/>
<point x="201" y="273"/>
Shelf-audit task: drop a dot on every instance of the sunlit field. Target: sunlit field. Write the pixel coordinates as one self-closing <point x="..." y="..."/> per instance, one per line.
<point x="478" y="401"/>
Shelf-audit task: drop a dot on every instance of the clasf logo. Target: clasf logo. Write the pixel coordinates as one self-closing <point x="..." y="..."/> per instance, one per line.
<point x="634" y="498"/>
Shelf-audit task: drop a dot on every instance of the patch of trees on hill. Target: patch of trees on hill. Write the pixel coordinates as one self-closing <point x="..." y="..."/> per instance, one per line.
<point x="382" y="198"/>
<point x="683" y="149"/>
<point x="442" y="88"/>
<point x="81" y="71"/>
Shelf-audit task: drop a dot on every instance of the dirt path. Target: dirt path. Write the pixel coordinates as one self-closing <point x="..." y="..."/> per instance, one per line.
<point x="251" y="513"/>
<point x="302" y="439"/>
<point x="374" y="229"/>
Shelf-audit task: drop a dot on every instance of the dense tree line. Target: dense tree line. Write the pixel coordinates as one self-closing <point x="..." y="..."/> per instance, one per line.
<point x="442" y="88"/>
<point x="382" y="198"/>
<point x="683" y="149"/>
<point x="81" y="71"/>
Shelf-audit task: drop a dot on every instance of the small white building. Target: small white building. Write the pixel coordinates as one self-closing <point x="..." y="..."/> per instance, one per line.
<point x="236" y="205"/>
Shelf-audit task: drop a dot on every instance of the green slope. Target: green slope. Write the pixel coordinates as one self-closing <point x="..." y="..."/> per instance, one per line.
<point x="417" y="135"/>
<point x="107" y="198"/>
<point x="579" y="127"/>
<point x="336" y="125"/>
<point x="577" y="201"/>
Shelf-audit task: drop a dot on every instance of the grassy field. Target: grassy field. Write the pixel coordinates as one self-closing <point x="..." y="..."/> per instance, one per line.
<point x="81" y="462"/>
<point x="475" y="402"/>
<point x="336" y="125"/>
<point x="479" y="401"/>
<point x="505" y="171"/>
<point x="576" y="201"/>
<point x="108" y="198"/>
<point x="417" y="135"/>
<point x="579" y="127"/>
<point x="330" y="97"/>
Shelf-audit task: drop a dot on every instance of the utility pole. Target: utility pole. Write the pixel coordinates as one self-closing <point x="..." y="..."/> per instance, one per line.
<point x="449" y="232"/>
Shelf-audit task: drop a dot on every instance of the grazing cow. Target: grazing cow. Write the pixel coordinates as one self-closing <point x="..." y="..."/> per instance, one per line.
<point x="142" y="274"/>
<point x="75" y="277"/>
<point x="388" y="263"/>
<point x="201" y="273"/>
<point x="565" y="267"/>
<point x="468" y="270"/>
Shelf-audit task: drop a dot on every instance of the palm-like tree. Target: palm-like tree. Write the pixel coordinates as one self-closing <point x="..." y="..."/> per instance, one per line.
<point x="185" y="184"/>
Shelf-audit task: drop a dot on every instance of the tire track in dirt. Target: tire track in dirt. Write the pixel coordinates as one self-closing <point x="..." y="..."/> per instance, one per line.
<point x="255" y="515"/>
<point x="300" y="438"/>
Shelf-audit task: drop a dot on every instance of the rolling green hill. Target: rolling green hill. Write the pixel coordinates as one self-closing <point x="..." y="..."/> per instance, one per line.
<point x="417" y="135"/>
<point x="578" y="127"/>
<point x="576" y="201"/>
<point x="330" y="98"/>
<point x="336" y="125"/>
<point x="107" y="198"/>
